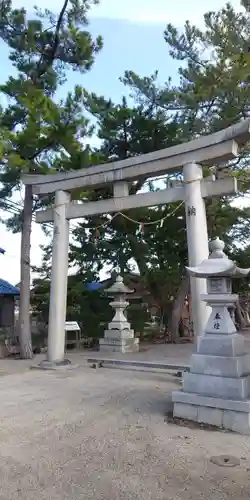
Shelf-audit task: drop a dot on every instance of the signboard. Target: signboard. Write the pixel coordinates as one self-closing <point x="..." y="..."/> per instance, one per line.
<point x="72" y="326"/>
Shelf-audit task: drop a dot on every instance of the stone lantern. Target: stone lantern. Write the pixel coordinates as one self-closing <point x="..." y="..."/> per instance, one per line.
<point x="119" y="336"/>
<point x="216" y="391"/>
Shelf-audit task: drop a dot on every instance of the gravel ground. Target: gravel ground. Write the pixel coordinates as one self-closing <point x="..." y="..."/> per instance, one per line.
<point x="101" y="434"/>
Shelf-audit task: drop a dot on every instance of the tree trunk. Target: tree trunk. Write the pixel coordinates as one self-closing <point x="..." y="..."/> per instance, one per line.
<point x="239" y="316"/>
<point x="244" y="312"/>
<point x="247" y="317"/>
<point x="24" y="311"/>
<point x="177" y="309"/>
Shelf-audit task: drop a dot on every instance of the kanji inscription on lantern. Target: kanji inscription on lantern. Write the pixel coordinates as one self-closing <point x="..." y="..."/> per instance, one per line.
<point x="217" y="320"/>
<point x="216" y="325"/>
<point x="217" y="316"/>
<point x="191" y="211"/>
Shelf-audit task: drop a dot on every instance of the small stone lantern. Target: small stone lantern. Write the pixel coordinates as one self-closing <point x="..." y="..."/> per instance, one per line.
<point x="216" y="391"/>
<point x="119" y="336"/>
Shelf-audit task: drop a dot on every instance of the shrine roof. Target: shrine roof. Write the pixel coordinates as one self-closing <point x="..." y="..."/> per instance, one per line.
<point x="7" y="289"/>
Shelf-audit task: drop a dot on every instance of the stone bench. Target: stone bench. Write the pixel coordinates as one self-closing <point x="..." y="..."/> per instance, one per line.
<point x="101" y="362"/>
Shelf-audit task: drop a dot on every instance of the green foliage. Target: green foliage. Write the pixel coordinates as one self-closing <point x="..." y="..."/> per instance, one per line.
<point x="39" y="134"/>
<point x="89" y="309"/>
<point x="127" y="132"/>
<point x="160" y="253"/>
<point x="213" y="90"/>
<point x="242" y="258"/>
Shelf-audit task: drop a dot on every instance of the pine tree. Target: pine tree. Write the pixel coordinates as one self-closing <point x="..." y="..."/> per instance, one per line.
<point x="214" y="82"/>
<point x="160" y="253"/>
<point x="38" y="133"/>
<point x="212" y="94"/>
<point x="157" y="250"/>
<point x="124" y="132"/>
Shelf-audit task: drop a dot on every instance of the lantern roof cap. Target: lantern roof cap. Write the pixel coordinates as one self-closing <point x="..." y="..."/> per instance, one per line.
<point x="118" y="287"/>
<point x="217" y="264"/>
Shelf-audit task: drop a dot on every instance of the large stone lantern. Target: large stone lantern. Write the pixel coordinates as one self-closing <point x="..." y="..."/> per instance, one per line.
<point x="217" y="388"/>
<point x="119" y="336"/>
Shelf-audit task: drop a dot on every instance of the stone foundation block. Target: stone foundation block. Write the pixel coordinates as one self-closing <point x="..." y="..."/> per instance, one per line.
<point x="118" y="334"/>
<point x="121" y="345"/>
<point x="213" y="416"/>
<point x="190" y="412"/>
<point x="224" y="413"/>
<point x="220" y="365"/>
<point x="54" y="366"/>
<point x="224" y="419"/>
<point x="211" y="402"/>
<point x="236" y="421"/>
<point x="221" y="345"/>
<point x="223" y="387"/>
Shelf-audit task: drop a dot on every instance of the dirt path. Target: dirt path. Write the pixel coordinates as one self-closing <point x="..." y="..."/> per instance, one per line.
<point x="101" y="435"/>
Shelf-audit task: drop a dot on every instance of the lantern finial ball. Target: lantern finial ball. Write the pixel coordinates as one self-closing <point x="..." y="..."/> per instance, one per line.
<point x="216" y="247"/>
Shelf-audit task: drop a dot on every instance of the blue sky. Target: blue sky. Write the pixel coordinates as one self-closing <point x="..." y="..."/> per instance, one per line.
<point x="133" y="39"/>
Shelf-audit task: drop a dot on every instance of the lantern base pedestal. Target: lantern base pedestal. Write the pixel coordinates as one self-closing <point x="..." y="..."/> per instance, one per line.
<point x="122" y="345"/>
<point x="216" y="391"/>
<point x="229" y="414"/>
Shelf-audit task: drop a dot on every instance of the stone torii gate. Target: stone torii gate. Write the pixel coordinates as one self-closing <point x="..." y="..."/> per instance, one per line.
<point x="189" y="157"/>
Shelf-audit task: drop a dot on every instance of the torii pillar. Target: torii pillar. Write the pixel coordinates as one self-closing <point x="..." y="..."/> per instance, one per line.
<point x="197" y="240"/>
<point x="58" y="287"/>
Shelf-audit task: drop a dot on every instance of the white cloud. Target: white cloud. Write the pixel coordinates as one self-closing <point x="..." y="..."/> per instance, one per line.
<point x="144" y="10"/>
<point x="158" y="10"/>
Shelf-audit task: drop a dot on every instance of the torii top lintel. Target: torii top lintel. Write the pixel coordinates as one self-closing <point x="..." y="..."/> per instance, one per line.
<point x="209" y="150"/>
